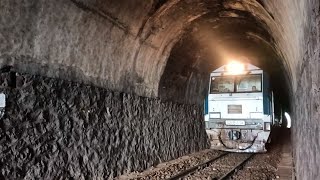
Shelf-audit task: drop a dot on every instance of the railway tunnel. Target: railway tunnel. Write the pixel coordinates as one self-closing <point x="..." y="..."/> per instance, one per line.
<point x="99" y="88"/>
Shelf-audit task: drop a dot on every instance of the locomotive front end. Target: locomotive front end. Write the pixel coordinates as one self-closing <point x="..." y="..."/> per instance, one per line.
<point x="239" y="109"/>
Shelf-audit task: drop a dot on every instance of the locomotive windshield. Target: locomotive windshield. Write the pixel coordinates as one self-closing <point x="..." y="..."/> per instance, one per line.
<point x="222" y="84"/>
<point x="249" y="83"/>
<point x="234" y="84"/>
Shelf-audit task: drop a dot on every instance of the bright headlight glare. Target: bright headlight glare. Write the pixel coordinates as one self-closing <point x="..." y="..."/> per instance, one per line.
<point x="234" y="68"/>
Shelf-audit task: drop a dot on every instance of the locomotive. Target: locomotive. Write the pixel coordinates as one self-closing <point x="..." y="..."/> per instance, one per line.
<point x="239" y="108"/>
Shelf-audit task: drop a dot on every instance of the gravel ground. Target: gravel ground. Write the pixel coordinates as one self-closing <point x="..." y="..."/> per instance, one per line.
<point x="260" y="167"/>
<point x="264" y="166"/>
<point x="219" y="167"/>
<point x="168" y="169"/>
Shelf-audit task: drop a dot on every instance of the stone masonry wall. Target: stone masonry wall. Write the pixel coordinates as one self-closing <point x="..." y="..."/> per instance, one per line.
<point x="59" y="129"/>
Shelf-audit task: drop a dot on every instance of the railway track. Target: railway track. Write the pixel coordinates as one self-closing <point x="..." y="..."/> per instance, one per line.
<point x="218" y="168"/>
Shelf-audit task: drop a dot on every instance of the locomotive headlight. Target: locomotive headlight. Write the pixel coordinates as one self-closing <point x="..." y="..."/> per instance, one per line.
<point x="235" y="68"/>
<point x="267" y="126"/>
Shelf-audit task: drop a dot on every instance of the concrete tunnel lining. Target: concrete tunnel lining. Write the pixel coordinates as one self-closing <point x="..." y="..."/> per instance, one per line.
<point x="88" y="42"/>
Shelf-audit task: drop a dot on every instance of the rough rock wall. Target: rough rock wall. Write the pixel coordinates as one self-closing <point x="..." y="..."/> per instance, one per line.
<point x="306" y="106"/>
<point x="54" y="128"/>
<point x="289" y="23"/>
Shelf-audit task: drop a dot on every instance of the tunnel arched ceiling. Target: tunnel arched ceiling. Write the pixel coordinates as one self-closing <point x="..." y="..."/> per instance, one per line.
<point x="228" y="30"/>
<point x="125" y="46"/>
<point x="165" y="48"/>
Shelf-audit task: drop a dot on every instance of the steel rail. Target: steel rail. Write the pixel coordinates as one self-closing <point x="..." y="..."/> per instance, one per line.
<point x="195" y="168"/>
<point x="233" y="170"/>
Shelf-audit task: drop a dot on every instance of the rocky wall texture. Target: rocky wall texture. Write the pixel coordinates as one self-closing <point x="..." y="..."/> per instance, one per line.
<point x="306" y="106"/>
<point x="125" y="46"/>
<point x="59" y="129"/>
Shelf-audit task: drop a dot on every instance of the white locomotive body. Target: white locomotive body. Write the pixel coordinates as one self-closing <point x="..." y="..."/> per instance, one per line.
<point x="239" y="109"/>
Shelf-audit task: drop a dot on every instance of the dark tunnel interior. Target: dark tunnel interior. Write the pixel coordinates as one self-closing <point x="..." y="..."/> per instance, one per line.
<point x="210" y="42"/>
<point x="101" y="88"/>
